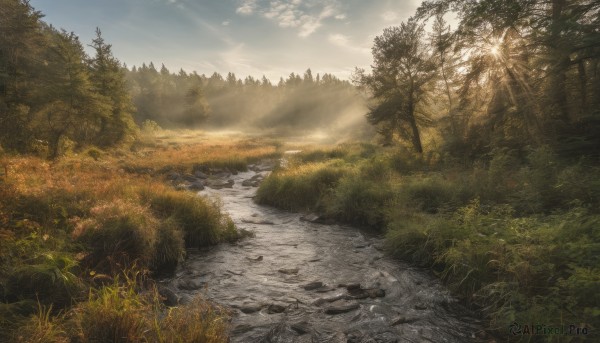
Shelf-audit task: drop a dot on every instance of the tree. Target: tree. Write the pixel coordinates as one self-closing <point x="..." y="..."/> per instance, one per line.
<point x="69" y="108"/>
<point x="21" y="47"/>
<point x="108" y="78"/>
<point x="402" y="72"/>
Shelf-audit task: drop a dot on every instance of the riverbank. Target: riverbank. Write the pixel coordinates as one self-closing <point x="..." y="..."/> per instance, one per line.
<point x="83" y="237"/>
<point x="516" y="238"/>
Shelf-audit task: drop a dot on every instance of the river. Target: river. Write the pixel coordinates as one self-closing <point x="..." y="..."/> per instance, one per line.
<point x="300" y="281"/>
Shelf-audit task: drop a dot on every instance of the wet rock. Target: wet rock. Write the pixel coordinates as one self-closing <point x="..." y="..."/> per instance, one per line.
<point x="313" y="285"/>
<point x="258" y="221"/>
<point x="351" y="286"/>
<point x="315" y="260"/>
<point x="289" y="271"/>
<point x="242" y="328"/>
<point x="301" y="327"/>
<point x="199" y="174"/>
<point x="324" y="289"/>
<point x="376" y="293"/>
<point x="219" y="184"/>
<point x="403" y="320"/>
<point x="420" y="306"/>
<point x="256" y="259"/>
<point x="276" y="308"/>
<point x="185" y="299"/>
<point x="250" y="308"/>
<point x="341" y="307"/>
<point x="173" y="176"/>
<point x="235" y="273"/>
<point x="190" y="285"/>
<point x="322" y="301"/>
<point x="315" y="218"/>
<point x="190" y="178"/>
<point x="168" y="296"/>
<point x="251" y="183"/>
<point x="196" y="186"/>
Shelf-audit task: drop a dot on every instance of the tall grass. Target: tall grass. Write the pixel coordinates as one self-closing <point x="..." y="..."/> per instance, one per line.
<point x="514" y="237"/>
<point x="71" y="226"/>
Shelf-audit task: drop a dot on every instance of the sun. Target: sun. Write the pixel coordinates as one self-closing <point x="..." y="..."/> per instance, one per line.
<point x="495" y="49"/>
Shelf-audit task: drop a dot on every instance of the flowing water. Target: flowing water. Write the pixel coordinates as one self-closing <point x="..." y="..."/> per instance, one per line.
<point x="299" y="281"/>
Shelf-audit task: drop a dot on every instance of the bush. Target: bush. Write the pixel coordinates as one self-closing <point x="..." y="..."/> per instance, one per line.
<point x="170" y="247"/>
<point x="201" y="221"/>
<point x="361" y="202"/>
<point x="117" y="235"/>
<point x="300" y="188"/>
<point x="49" y="280"/>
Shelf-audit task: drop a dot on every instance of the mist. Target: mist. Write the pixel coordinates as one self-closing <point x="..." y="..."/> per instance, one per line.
<point x="300" y="105"/>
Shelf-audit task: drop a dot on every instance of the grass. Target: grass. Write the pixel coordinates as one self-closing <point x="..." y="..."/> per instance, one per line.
<point x="516" y="238"/>
<point x="70" y="228"/>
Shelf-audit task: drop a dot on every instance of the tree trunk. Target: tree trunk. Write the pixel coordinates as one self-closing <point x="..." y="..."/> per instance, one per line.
<point x="416" y="136"/>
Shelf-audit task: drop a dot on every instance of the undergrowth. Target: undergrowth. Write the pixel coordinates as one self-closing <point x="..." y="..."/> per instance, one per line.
<point x="516" y="238"/>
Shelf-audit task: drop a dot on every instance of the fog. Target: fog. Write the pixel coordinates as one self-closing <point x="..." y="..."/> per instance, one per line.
<point x="297" y="106"/>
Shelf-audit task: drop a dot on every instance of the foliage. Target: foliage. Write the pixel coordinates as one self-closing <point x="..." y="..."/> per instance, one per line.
<point x="515" y="237"/>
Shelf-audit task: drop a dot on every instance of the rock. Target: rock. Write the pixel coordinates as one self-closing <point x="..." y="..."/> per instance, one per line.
<point x="324" y="289"/>
<point x="190" y="285"/>
<point x="420" y="307"/>
<point x="173" y="176"/>
<point x="312" y="217"/>
<point x="322" y="301"/>
<point x="315" y="218"/>
<point x="313" y="285"/>
<point x="275" y="308"/>
<point x="376" y="293"/>
<point x="250" y="308"/>
<point x="196" y="186"/>
<point x="185" y="299"/>
<point x="301" y="327"/>
<point x="342" y="307"/>
<point x="242" y="328"/>
<point x="168" y="296"/>
<point x="257" y="259"/>
<point x="289" y="271"/>
<point x="403" y="320"/>
<point x="257" y="221"/>
<point x="190" y="178"/>
<point x="251" y="183"/>
<point x="219" y="184"/>
<point x="351" y="286"/>
<point x="200" y="175"/>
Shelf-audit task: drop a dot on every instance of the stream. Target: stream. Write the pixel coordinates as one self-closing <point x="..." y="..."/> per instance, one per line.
<point x="300" y="281"/>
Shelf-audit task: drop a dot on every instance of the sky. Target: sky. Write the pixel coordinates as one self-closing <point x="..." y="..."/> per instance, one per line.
<point x="247" y="37"/>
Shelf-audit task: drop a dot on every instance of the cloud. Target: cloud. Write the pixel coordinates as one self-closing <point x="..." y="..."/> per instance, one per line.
<point x="389" y="16"/>
<point x="305" y="15"/>
<point x="247" y="7"/>
<point x="226" y="23"/>
<point x="339" y="39"/>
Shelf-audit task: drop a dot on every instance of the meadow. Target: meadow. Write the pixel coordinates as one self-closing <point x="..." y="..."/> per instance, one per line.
<point x="83" y="239"/>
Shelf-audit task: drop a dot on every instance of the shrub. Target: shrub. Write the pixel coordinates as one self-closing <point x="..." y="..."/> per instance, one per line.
<point x="50" y="279"/>
<point x="170" y="247"/>
<point x="118" y="234"/>
<point x="361" y="202"/>
<point x="201" y="221"/>
<point x="300" y="188"/>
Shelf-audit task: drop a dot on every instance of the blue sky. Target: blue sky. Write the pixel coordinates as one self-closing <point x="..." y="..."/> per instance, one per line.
<point x="247" y="37"/>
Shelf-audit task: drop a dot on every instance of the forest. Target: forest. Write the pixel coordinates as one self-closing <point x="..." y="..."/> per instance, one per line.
<point x="471" y="149"/>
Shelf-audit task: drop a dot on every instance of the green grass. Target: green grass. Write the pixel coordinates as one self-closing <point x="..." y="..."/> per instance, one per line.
<point x="515" y="238"/>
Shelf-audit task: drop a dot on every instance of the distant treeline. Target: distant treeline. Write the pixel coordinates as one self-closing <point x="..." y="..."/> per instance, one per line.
<point x="191" y="100"/>
<point x="52" y="94"/>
